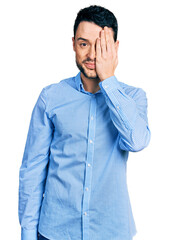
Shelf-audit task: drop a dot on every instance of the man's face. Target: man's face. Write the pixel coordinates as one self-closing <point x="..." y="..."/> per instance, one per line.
<point x="84" y="46"/>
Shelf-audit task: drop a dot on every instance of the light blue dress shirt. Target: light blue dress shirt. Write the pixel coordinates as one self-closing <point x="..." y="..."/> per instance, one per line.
<point x="72" y="180"/>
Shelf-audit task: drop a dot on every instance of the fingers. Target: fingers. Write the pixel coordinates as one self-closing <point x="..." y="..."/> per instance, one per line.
<point x="109" y="40"/>
<point x="105" y="44"/>
<point x="98" y="48"/>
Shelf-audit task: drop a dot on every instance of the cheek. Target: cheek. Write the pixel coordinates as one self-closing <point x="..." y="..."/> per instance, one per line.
<point x="80" y="55"/>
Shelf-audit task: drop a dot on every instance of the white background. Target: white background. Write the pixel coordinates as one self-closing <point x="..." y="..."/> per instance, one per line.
<point x="36" y="50"/>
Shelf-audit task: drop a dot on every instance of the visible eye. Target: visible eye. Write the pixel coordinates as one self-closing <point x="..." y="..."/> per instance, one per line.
<point x="83" y="44"/>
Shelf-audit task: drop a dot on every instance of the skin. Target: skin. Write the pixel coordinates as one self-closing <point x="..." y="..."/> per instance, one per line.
<point x="95" y="45"/>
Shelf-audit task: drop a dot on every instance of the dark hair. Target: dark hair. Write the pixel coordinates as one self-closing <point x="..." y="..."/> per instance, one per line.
<point x="98" y="15"/>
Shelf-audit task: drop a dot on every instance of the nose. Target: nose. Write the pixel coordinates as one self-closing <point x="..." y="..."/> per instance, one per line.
<point x="92" y="53"/>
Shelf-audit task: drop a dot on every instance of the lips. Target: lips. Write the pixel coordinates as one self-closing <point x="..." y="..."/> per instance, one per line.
<point x="90" y="65"/>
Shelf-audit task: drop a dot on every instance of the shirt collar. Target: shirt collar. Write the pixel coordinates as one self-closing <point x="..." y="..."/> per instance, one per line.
<point x="79" y="83"/>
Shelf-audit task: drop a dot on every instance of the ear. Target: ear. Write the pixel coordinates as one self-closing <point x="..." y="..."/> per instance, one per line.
<point x="73" y="40"/>
<point x="117" y="45"/>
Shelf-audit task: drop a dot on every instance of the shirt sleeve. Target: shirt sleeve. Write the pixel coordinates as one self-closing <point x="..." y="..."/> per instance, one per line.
<point x="33" y="170"/>
<point x="128" y="111"/>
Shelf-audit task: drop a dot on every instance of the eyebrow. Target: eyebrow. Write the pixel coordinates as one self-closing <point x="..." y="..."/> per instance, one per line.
<point x="80" y="38"/>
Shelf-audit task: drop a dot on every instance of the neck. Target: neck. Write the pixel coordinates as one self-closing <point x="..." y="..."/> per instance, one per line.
<point x="89" y="84"/>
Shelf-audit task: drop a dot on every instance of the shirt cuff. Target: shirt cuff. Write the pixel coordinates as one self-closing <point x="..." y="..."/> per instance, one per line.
<point x="29" y="234"/>
<point x="109" y="84"/>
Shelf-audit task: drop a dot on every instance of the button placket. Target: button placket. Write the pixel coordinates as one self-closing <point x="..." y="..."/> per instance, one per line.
<point x="88" y="171"/>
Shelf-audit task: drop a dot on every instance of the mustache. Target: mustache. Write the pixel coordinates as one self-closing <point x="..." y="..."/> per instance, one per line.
<point x="89" y="60"/>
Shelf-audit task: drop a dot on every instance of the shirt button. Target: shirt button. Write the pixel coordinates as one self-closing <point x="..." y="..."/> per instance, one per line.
<point x="106" y="86"/>
<point x="91" y="141"/>
<point x="85" y="213"/>
<point x="88" y="165"/>
<point x="91" y="117"/>
<point x="118" y="107"/>
<point x="87" y="189"/>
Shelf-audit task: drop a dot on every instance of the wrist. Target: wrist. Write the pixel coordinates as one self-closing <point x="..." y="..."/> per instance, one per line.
<point x="102" y="78"/>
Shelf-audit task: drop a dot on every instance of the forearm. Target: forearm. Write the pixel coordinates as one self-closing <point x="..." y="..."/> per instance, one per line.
<point x="128" y="111"/>
<point x="33" y="170"/>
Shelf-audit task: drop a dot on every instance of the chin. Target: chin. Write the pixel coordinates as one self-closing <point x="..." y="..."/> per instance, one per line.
<point x="88" y="73"/>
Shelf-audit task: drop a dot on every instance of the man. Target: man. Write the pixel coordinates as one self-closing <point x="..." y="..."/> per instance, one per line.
<point x="73" y="173"/>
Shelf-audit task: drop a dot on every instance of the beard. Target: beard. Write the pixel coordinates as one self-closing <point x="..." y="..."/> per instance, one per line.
<point x="90" y="74"/>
